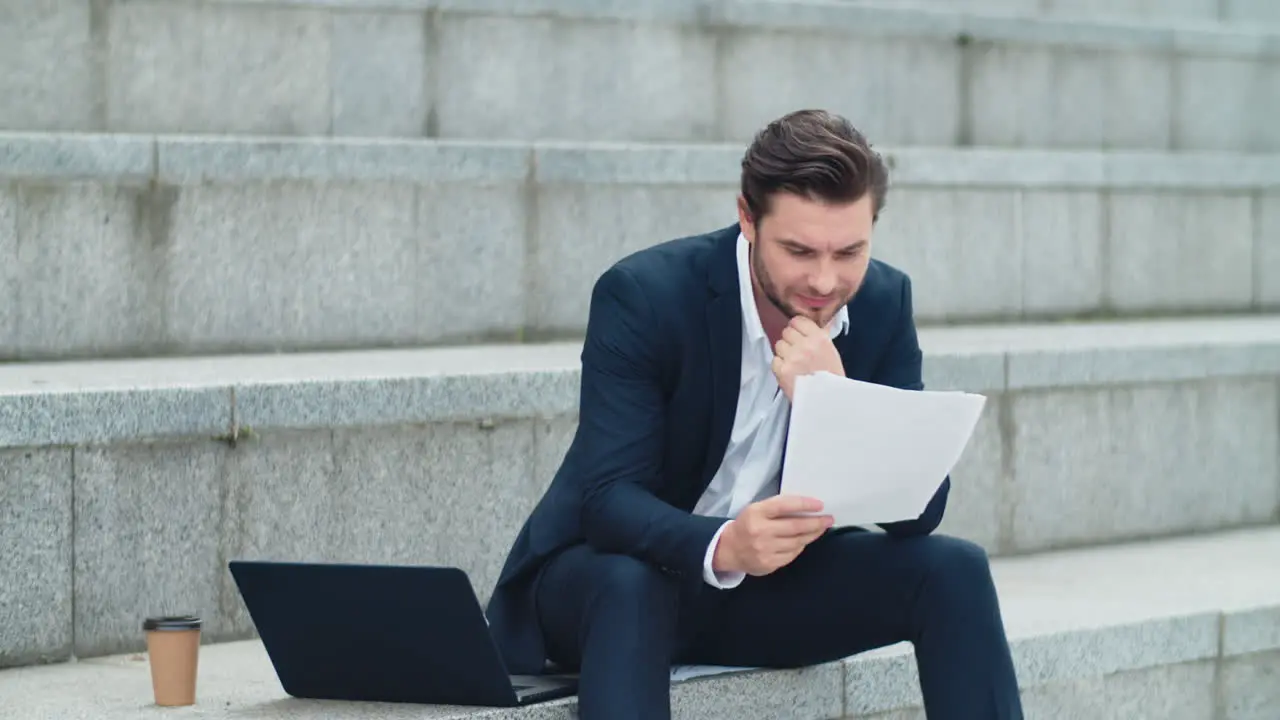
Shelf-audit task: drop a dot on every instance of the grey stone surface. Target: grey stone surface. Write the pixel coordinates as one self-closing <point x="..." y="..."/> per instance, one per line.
<point x="660" y="164"/>
<point x="1267" y="248"/>
<point x="89" y="277"/>
<point x="146" y="540"/>
<point x="546" y="78"/>
<point x="35" y="577"/>
<point x="966" y="369"/>
<point x="1251" y="11"/>
<point x="47" y="65"/>
<point x="196" y="161"/>
<point x="1174" y="692"/>
<point x="1029" y="96"/>
<point x="1251" y="687"/>
<point x="1219" y="103"/>
<point x="975" y="507"/>
<point x="115" y="159"/>
<point x="177" y="67"/>
<point x="450" y="494"/>
<point x="471" y="275"/>
<point x="1154" y="262"/>
<point x="962" y="249"/>
<point x="551" y="440"/>
<point x="582" y="230"/>
<point x="44" y="414"/>
<point x="282" y="502"/>
<point x="1251" y="630"/>
<point x="813" y="693"/>
<point x="1121" y="476"/>
<point x="883" y="679"/>
<point x="1084" y="652"/>
<point x="1062" y="236"/>
<point x="9" y="272"/>
<point x="293" y="265"/>
<point x="1153" y="11"/>
<point x="896" y="90"/>
<point x="381" y="79"/>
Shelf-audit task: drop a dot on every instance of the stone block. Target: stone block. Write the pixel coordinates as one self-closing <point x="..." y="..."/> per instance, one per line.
<point x="10" y="274"/>
<point x="516" y="77"/>
<point x="1121" y="477"/>
<point x="1171" y="692"/>
<point x="381" y="79"/>
<point x="902" y="90"/>
<point x="551" y="440"/>
<point x="1219" y="100"/>
<point x="218" y="68"/>
<point x="962" y="249"/>
<point x="48" y="412"/>
<point x="35" y="577"/>
<point x="1268" y="248"/>
<point x="1030" y="96"/>
<point x="90" y="270"/>
<point x="293" y="265"/>
<point x="1251" y="630"/>
<point x="115" y="159"/>
<point x="1062" y="236"/>
<point x="440" y="494"/>
<point x="281" y="504"/>
<point x="146" y="540"/>
<point x="231" y="160"/>
<point x="881" y="680"/>
<point x="1155" y="257"/>
<point x="582" y="230"/>
<point x="811" y="693"/>
<point x="471" y="279"/>
<point x="47" y="66"/>
<point x="1251" y="687"/>
<point x="1251" y="11"/>
<point x="1156" y="12"/>
<point x="975" y="507"/>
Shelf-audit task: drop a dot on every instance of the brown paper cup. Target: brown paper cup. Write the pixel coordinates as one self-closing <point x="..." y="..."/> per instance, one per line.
<point x="173" y="647"/>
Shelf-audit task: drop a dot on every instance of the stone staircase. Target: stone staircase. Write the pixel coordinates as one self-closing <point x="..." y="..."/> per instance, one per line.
<point x="304" y="279"/>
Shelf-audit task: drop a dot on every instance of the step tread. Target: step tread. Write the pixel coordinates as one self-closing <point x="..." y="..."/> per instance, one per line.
<point x="223" y="371"/>
<point x="1190" y="599"/>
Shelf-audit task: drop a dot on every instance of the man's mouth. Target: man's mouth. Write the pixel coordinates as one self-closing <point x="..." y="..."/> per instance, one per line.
<point x="812" y="302"/>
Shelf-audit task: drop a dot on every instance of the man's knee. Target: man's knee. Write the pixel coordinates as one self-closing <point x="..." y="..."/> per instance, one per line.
<point x="955" y="563"/>
<point x="623" y="580"/>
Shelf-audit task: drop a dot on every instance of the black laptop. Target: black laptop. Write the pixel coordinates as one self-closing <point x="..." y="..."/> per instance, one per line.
<point x="382" y="633"/>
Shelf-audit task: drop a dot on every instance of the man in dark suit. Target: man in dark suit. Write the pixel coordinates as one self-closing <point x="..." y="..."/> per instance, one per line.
<point x="662" y="538"/>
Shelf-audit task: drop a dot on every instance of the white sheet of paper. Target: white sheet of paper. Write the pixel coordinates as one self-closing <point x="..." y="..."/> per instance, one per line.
<point x="873" y="453"/>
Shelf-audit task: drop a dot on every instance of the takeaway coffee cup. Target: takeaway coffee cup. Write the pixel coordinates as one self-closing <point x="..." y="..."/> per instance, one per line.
<point x="173" y="647"/>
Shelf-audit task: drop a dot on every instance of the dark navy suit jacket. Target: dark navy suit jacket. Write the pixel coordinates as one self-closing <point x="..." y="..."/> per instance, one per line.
<point x="660" y="375"/>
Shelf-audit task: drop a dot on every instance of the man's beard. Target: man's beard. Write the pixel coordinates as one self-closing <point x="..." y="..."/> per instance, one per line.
<point x="771" y="293"/>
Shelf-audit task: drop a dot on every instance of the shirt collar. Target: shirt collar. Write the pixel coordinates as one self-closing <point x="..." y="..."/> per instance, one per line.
<point x="751" y="314"/>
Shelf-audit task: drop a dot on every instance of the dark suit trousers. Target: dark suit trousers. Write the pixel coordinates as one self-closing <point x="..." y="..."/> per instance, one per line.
<point x="622" y="623"/>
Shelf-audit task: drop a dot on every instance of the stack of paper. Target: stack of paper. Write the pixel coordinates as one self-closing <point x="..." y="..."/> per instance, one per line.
<point x="872" y="453"/>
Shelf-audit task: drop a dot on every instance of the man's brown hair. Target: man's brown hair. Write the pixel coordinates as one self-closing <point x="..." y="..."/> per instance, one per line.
<point x="815" y="154"/>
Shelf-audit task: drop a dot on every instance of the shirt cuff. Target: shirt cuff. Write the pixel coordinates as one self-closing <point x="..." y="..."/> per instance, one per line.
<point x="722" y="580"/>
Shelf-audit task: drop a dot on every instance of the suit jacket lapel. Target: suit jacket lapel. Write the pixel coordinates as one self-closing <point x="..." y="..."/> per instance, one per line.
<point x="724" y="334"/>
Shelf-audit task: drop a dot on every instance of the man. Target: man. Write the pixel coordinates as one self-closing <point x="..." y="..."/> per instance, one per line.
<point x="662" y="538"/>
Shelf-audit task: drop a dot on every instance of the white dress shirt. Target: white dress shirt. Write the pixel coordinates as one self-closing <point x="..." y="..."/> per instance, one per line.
<point x="752" y="464"/>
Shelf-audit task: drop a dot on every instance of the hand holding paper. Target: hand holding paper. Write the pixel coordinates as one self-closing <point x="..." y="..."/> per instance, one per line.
<point x="873" y="453"/>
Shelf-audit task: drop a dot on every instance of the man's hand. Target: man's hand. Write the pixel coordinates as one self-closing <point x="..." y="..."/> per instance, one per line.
<point x="803" y="349"/>
<point x="762" y="538"/>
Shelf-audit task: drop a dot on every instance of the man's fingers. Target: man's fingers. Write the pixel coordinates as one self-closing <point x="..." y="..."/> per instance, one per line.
<point x="783" y="505"/>
<point x="792" y="335"/>
<point x="803" y="325"/>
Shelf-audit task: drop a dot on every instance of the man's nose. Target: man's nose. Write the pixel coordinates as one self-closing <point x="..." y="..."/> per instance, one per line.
<point x="823" y="281"/>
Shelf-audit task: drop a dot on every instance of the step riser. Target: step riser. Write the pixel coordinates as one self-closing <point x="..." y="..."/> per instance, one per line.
<point x="149" y="526"/>
<point x="1154" y="11"/>
<point x="675" y="71"/>
<point x="202" y="246"/>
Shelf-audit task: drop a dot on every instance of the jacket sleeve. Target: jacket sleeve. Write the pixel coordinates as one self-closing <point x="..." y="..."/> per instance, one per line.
<point x="901" y="367"/>
<point x="621" y="425"/>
